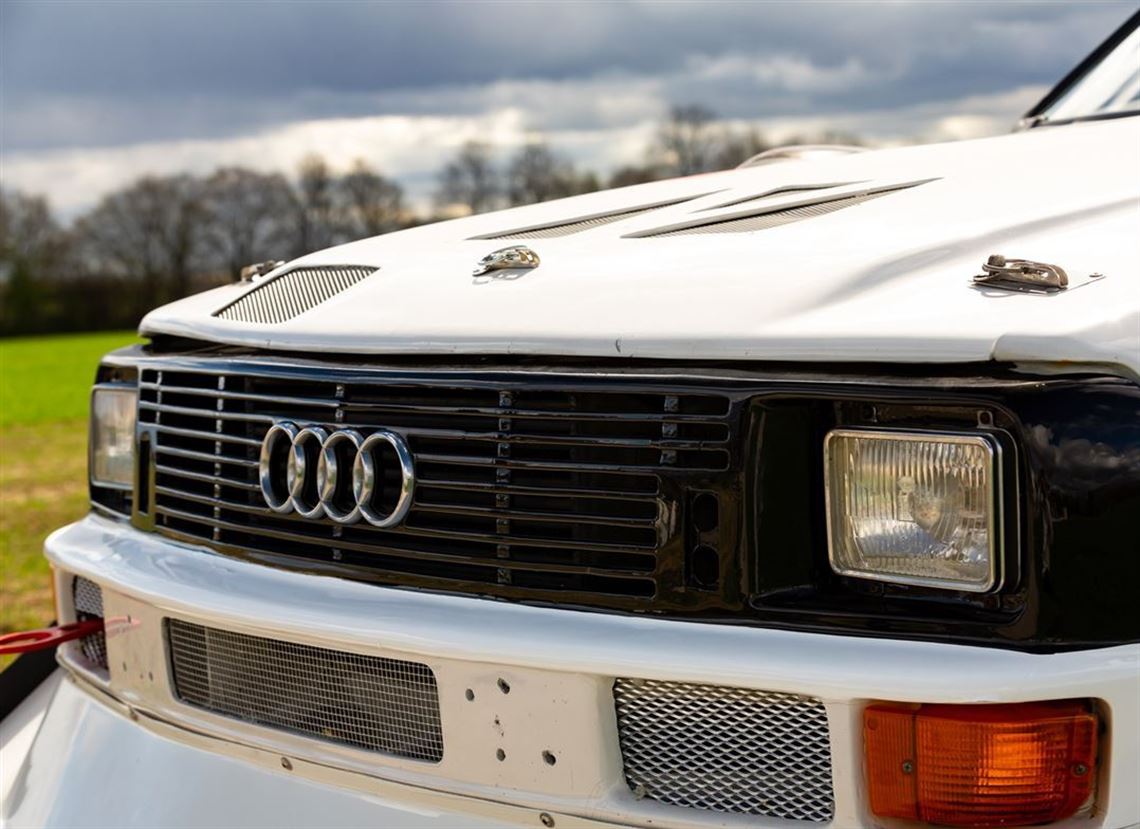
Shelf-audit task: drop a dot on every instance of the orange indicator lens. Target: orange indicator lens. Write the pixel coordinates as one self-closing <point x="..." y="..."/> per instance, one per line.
<point x="980" y="765"/>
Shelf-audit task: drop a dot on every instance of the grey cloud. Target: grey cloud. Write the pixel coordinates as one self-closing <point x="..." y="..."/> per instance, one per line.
<point x="107" y="73"/>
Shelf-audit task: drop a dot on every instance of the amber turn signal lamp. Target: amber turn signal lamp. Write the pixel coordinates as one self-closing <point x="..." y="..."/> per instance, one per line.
<point x="980" y="765"/>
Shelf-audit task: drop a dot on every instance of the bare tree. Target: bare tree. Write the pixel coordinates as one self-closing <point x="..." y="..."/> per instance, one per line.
<point x="470" y="179"/>
<point x="152" y="231"/>
<point x="313" y="206"/>
<point x="28" y="231"/>
<point x="247" y="217"/>
<point x="827" y="136"/>
<point x="686" y="141"/>
<point x="737" y="147"/>
<point x="372" y="203"/>
<point x="32" y="249"/>
<point x="633" y="174"/>
<point x="537" y="174"/>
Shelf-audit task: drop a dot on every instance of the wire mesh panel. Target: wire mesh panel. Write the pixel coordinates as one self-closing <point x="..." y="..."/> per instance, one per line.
<point x="368" y="702"/>
<point x="726" y="749"/>
<point x="292" y="293"/>
<point x="88" y="599"/>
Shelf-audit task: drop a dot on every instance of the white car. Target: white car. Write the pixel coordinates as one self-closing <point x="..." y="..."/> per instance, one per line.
<point x="802" y="494"/>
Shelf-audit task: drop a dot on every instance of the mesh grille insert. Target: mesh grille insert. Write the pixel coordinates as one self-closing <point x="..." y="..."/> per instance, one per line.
<point x="369" y="702"/>
<point x="88" y="599"/>
<point x="726" y="749"/>
<point x="292" y="293"/>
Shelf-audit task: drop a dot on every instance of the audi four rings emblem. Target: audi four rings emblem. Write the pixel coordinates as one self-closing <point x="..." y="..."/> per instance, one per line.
<point x="338" y="473"/>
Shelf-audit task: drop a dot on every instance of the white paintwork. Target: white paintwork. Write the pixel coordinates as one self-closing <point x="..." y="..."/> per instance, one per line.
<point x="92" y="767"/>
<point x="560" y="664"/>
<point x="886" y="281"/>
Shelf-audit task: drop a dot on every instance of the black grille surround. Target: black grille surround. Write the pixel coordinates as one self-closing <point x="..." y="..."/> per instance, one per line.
<point x="524" y="488"/>
<point x="682" y="490"/>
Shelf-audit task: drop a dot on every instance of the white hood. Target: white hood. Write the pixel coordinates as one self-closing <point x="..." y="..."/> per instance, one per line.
<point x="882" y="280"/>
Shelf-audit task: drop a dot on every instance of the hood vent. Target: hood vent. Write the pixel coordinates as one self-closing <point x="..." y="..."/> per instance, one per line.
<point x="551" y="231"/>
<point x="292" y="293"/>
<point x="776" y="216"/>
<point x="779" y="191"/>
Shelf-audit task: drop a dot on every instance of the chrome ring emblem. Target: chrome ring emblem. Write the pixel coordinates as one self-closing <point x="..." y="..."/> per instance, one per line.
<point x="276" y="449"/>
<point x="381" y="505"/>
<point x="334" y="476"/>
<point x="301" y="471"/>
<point x="340" y="474"/>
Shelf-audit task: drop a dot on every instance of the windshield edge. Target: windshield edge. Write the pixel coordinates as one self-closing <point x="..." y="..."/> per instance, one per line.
<point x="1035" y="116"/>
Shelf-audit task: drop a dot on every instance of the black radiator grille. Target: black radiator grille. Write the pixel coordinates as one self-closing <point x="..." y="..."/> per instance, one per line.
<point x="519" y="486"/>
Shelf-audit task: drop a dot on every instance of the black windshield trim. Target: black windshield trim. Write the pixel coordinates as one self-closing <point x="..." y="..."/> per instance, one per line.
<point x="1033" y="117"/>
<point x="1080" y="119"/>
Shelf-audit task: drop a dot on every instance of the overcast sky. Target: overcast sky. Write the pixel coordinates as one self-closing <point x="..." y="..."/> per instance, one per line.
<point x="96" y="93"/>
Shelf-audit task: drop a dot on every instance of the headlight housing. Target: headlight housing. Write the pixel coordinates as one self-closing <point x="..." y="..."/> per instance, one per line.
<point x="914" y="507"/>
<point x="111" y="459"/>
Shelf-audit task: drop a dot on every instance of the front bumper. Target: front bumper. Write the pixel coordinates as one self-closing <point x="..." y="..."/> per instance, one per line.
<point x="126" y="741"/>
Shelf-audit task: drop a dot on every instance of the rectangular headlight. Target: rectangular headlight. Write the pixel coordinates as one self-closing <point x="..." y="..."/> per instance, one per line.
<point x="112" y="438"/>
<point x="913" y="507"/>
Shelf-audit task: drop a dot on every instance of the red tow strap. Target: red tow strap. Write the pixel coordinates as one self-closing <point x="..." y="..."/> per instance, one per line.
<point x="44" y="638"/>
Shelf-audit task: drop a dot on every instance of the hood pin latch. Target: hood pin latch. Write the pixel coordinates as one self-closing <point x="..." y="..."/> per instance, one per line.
<point x="1022" y="275"/>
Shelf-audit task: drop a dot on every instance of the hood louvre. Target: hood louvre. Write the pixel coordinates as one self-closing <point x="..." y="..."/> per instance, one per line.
<point x="779" y="191"/>
<point x="292" y="293"/>
<point x="775" y="217"/>
<point x="567" y="228"/>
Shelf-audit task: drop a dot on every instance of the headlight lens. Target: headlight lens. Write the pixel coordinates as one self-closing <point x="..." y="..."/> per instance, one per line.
<point x="113" y="436"/>
<point x="913" y="508"/>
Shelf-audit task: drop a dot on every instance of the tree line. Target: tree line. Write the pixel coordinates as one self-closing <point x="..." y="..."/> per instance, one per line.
<point x="164" y="237"/>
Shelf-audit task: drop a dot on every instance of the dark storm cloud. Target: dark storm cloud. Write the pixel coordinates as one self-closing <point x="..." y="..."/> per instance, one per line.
<point x="104" y="73"/>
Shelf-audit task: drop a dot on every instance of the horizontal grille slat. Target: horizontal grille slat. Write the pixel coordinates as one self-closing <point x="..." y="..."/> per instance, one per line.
<point x="297" y="527"/>
<point x="210" y="413"/>
<point x="467" y="562"/>
<point x="204" y="478"/>
<point x="349" y="407"/>
<point x="210" y="436"/>
<point x="533" y="414"/>
<point x="263" y="398"/>
<point x="541" y="487"/>
<point x="374" y="703"/>
<point x="515" y="463"/>
<point x="191" y="454"/>
<point x="558" y="440"/>
<point x="512" y="489"/>
<point x="554" y="518"/>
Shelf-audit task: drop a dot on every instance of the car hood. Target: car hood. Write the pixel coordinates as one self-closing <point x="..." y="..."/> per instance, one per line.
<point x="862" y="257"/>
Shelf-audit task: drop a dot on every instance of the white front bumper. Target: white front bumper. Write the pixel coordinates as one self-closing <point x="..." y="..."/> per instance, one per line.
<point x="90" y="765"/>
<point x="147" y="759"/>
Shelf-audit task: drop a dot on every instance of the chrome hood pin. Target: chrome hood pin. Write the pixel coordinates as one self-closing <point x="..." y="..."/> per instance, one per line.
<point x="516" y="257"/>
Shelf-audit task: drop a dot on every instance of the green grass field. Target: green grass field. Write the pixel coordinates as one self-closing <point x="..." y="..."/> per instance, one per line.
<point x="44" y="388"/>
